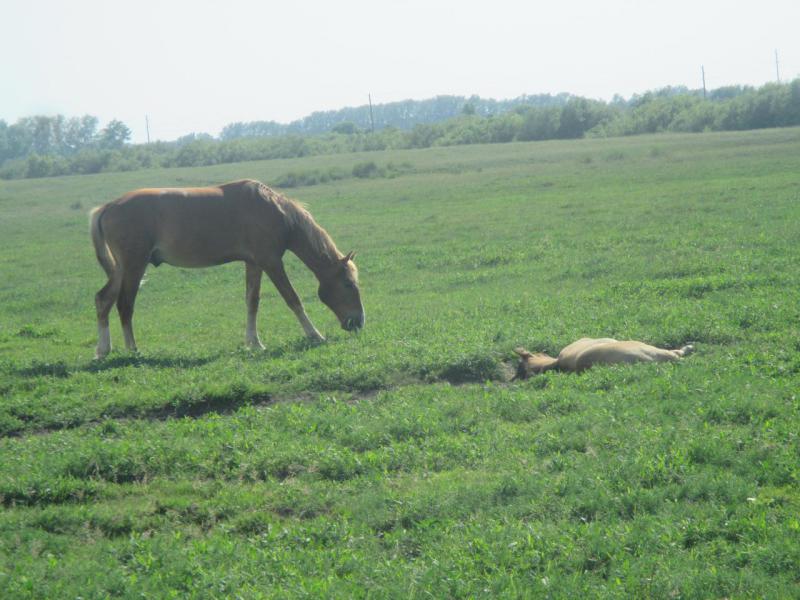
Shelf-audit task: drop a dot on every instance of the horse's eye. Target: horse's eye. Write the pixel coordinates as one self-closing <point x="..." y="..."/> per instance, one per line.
<point x="349" y="285"/>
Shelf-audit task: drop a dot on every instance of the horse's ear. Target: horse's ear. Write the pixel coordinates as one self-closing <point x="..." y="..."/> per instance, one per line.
<point x="522" y="352"/>
<point x="348" y="257"/>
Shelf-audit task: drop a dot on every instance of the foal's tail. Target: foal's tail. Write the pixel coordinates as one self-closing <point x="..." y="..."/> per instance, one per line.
<point x="104" y="256"/>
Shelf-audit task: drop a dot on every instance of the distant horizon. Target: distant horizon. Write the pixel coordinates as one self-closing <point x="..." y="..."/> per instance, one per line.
<point x="216" y="135"/>
<point x="139" y="130"/>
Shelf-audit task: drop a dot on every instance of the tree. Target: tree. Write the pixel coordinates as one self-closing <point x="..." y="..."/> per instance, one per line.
<point x="193" y="137"/>
<point x="114" y="136"/>
<point x="79" y="133"/>
<point x="41" y="129"/>
<point x="4" y="146"/>
<point x="539" y="124"/>
<point x="20" y="138"/>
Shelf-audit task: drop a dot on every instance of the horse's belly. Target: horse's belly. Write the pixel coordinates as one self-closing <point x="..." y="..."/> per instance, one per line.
<point x="568" y="358"/>
<point x="191" y="259"/>
<point x="197" y="238"/>
<point x="613" y="353"/>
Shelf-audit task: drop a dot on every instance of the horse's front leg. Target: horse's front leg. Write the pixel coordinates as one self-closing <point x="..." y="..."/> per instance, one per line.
<point x="277" y="274"/>
<point x="252" y="295"/>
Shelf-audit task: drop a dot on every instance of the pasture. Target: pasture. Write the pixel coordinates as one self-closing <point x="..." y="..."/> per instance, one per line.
<point x="400" y="462"/>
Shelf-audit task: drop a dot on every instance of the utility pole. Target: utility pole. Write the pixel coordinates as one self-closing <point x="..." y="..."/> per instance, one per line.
<point x="371" y="120"/>
<point x="777" y="66"/>
<point x="703" y="72"/>
<point x="147" y="127"/>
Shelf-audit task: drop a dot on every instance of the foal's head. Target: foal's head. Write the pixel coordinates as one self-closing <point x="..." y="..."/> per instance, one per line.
<point x="533" y="363"/>
<point x="338" y="289"/>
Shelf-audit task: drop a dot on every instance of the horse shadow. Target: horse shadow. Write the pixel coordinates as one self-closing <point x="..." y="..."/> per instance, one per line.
<point x="61" y="370"/>
<point x="293" y="347"/>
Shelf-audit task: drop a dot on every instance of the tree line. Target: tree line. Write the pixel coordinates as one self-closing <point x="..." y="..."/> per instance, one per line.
<point x="46" y="146"/>
<point x="402" y="115"/>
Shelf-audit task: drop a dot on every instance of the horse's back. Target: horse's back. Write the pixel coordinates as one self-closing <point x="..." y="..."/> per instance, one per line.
<point x="193" y="227"/>
<point x="155" y="213"/>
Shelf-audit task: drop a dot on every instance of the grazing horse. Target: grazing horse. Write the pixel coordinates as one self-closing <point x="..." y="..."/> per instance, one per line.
<point x="584" y="353"/>
<point x="201" y="227"/>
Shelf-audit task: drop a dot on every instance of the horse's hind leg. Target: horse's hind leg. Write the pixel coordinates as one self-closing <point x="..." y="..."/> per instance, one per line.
<point x="131" y="278"/>
<point x="669" y="355"/>
<point x="253" y="291"/>
<point x="103" y="301"/>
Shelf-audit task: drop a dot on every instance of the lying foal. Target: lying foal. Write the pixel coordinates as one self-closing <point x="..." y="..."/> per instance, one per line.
<point x="584" y="353"/>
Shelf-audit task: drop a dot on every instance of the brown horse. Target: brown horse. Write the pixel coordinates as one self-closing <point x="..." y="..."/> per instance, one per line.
<point x="201" y="227"/>
<point x="586" y="352"/>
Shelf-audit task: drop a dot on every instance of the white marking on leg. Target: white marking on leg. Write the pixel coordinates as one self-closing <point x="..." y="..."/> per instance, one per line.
<point x="251" y="334"/>
<point x="103" y="341"/>
<point x="130" y="342"/>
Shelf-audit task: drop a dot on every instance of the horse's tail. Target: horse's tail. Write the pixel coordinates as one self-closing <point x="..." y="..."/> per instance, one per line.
<point x="101" y="250"/>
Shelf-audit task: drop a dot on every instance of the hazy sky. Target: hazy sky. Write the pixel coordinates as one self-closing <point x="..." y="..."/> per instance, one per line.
<point x="193" y="65"/>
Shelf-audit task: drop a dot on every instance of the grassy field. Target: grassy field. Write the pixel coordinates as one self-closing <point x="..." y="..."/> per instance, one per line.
<point x="401" y="462"/>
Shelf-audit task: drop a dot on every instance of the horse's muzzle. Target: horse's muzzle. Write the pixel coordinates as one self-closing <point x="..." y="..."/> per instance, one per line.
<point x="353" y="323"/>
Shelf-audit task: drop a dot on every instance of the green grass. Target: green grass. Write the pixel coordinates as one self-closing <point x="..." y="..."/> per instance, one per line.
<point x="400" y="462"/>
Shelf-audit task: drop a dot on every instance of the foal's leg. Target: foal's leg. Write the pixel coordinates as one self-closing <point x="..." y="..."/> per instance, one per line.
<point x="131" y="277"/>
<point x="277" y="274"/>
<point x="253" y="290"/>
<point x="103" y="301"/>
<point x="668" y="355"/>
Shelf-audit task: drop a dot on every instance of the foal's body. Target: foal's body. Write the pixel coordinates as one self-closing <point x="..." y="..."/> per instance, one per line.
<point x="586" y="352"/>
<point x="202" y="227"/>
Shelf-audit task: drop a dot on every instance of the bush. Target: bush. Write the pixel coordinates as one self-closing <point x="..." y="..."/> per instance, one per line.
<point x="13" y="169"/>
<point x="311" y="177"/>
<point x="89" y="161"/>
<point x="346" y="128"/>
<point x="366" y="170"/>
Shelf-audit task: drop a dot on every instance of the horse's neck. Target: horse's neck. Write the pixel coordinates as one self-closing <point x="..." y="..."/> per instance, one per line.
<point x="541" y="362"/>
<point x="548" y="363"/>
<point x="319" y="259"/>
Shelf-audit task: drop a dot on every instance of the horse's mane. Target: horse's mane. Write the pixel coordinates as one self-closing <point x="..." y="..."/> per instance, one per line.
<point x="299" y="219"/>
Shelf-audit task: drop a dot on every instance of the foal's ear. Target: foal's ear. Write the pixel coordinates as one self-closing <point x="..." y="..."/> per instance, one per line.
<point x="522" y="352"/>
<point x="348" y="257"/>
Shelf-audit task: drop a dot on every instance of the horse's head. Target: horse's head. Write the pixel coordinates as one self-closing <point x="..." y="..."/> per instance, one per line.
<point x="533" y="364"/>
<point x="339" y="291"/>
